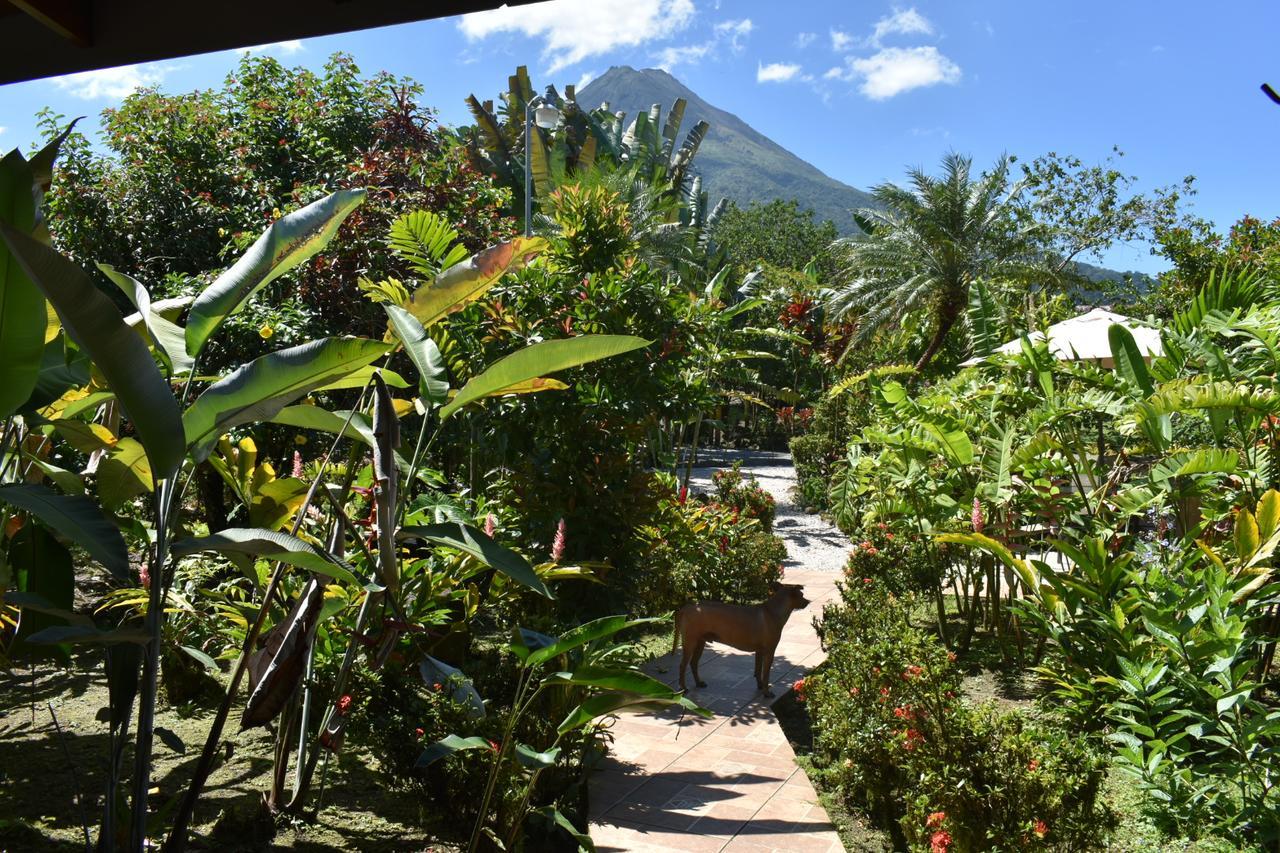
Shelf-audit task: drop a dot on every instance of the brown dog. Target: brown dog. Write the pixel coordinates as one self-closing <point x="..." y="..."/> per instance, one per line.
<point x="751" y="628"/>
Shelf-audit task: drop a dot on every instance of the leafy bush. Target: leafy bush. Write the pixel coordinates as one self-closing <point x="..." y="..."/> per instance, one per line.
<point x="893" y="737"/>
<point x="690" y="550"/>
<point x="900" y="562"/>
<point x="742" y="493"/>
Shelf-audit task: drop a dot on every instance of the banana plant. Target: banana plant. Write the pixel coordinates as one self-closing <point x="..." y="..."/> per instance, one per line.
<point x="602" y="689"/>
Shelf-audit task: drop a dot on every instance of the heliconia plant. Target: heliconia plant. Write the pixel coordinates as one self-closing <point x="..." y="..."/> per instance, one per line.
<point x="56" y="325"/>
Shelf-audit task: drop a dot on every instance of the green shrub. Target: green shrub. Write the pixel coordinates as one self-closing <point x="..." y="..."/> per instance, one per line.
<point x="892" y="737"/>
<point x="742" y="493"/>
<point x="900" y="561"/>
<point x="811" y="454"/>
<point x="690" y="550"/>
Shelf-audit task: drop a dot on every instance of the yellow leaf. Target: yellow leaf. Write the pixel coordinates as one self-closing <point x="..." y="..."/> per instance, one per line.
<point x="403" y="408"/>
<point x="52" y="324"/>
<point x="1246" y="538"/>
<point x="87" y="438"/>
<point x="1268" y="514"/>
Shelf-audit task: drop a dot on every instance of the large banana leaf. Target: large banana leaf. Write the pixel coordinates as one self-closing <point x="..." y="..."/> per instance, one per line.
<point x="77" y="518"/>
<point x="258" y="390"/>
<point x="269" y="544"/>
<point x="166" y="334"/>
<point x="471" y="541"/>
<point x="125" y="473"/>
<point x="465" y="282"/>
<point x="287" y="243"/>
<point x="117" y="352"/>
<point x="22" y="307"/>
<point x="537" y="360"/>
<point x="423" y="352"/>
<point x="1128" y="359"/>
<point x="323" y="420"/>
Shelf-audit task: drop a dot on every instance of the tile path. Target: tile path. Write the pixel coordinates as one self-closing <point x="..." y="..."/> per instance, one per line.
<point x="729" y="783"/>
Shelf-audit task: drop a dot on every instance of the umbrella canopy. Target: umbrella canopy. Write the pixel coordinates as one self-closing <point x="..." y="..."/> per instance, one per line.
<point x="1084" y="338"/>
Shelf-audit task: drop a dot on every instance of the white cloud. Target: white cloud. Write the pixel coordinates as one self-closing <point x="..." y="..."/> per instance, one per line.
<point x="670" y="57"/>
<point x="587" y="77"/>
<point x="574" y="30"/>
<point x="836" y="73"/>
<point x="2" y="130"/>
<point x="803" y="40"/>
<point x="840" y="41"/>
<point x="777" y="72"/>
<point x="288" y="48"/>
<point x="895" y="70"/>
<point x="901" y="22"/>
<point x="735" y="31"/>
<point x="111" y="83"/>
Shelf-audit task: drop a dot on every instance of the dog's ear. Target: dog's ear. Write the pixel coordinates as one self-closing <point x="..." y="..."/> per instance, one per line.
<point x="774" y="586"/>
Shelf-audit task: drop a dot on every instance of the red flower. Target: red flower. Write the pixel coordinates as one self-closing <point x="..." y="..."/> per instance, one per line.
<point x="684" y="495"/>
<point x="436" y="687"/>
<point x="344" y="704"/>
<point x="940" y="841"/>
<point x="798" y="687"/>
<point x="935" y="820"/>
<point x="911" y="672"/>
<point x="419" y="732"/>
<point x="913" y="739"/>
<point x="866" y="581"/>
<point x="493" y="744"/>
<point x="951" y="656"/>
<point x="1041" y="829"/>
<point x="1033" y="765"/>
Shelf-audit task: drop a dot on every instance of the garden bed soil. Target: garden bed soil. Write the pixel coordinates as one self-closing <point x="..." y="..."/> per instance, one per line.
<point x="51" y="783"/>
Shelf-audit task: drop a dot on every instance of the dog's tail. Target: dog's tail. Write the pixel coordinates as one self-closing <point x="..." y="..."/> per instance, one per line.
<point x="675" y="638"/>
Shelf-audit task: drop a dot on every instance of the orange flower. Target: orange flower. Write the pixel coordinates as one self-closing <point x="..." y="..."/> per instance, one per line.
<point x="1033" y="765"/>
<point x="1041" y="829"/>
<point x="935" y="820"/>
<point x="940" y="841"/>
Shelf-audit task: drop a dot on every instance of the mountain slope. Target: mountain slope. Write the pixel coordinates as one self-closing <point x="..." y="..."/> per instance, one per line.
<point x="735" y="160"/>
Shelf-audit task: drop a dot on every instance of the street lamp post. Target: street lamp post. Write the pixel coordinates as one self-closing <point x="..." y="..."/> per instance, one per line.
<point x="540" y="110"/>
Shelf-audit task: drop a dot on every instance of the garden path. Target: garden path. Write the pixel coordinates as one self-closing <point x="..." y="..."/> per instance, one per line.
<point x="729" y="783"/>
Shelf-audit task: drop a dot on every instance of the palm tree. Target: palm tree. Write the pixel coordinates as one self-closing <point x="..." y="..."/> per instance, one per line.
<point x="927" y="245"/>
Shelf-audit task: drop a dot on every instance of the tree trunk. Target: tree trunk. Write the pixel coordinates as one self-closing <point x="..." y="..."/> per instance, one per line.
<point x="948" y="313"/>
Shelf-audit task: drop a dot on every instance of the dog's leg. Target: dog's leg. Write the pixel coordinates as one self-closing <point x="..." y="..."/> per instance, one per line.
<point x="760" y="683"/>
<point x="697" y="655"/>
<point x="766" y="664"/>
<point x="685" y="653"/>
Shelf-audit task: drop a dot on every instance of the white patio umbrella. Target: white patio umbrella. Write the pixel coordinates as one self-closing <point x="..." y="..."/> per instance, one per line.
<point x="1084" y="338"/>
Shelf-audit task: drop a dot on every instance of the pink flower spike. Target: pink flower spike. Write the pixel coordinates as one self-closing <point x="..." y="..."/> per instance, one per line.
<point x="976" y="516"/>
<point x="298" y="473"/>
<point x="558" y="543"/>
<point x="490" y="524"/>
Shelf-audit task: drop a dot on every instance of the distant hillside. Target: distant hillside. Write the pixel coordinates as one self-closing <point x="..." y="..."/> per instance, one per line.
<point x="736" y="161"/>
<point x="740" y="163"/>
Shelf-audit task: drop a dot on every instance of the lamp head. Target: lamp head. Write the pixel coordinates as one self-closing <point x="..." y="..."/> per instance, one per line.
<point x="547" y="115"/>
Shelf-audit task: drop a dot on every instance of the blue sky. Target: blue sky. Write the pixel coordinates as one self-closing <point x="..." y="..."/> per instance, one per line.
<point x="860" y="89"/>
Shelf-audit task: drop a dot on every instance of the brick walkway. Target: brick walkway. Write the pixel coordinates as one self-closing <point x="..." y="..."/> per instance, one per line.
<point x="727" y="783"/>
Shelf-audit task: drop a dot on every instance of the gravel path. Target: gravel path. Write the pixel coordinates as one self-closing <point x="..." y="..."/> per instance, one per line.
<point x="812" y="544"/>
